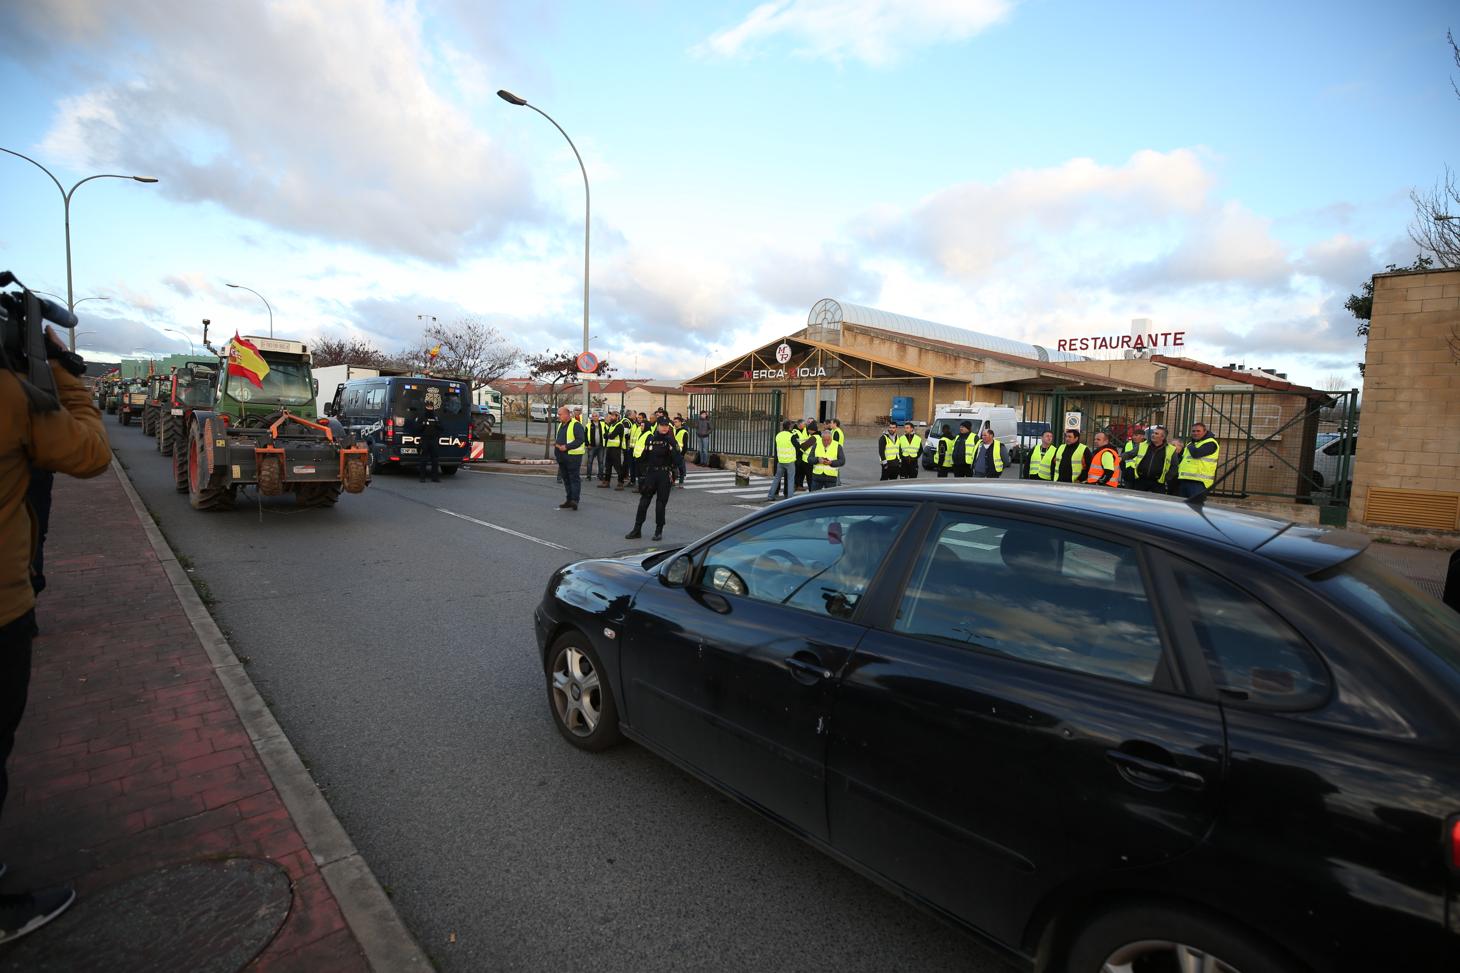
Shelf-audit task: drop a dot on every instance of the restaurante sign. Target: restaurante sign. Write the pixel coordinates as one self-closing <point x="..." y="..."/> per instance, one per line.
<point x="1120" y="342"/>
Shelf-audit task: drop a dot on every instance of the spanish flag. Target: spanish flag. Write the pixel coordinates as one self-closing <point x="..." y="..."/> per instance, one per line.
<point x="245" y="361"/>
<point x="433" y="352"/>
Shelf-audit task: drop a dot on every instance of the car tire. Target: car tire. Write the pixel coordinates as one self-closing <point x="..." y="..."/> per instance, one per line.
<point x="449" y="470"/>
<point x="588" y="717"/>
<point x="1120" y="939"/>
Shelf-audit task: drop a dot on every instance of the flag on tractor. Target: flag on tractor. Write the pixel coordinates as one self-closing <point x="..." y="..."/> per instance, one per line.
<point x="245" y="361"/>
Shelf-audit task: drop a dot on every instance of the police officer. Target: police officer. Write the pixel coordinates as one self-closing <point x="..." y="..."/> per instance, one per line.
<point x="827" y="459"/>
<point x="786" y="453"/>
<point x="1198" y="470"/>
<point x="910" y="449"/>
<point x="658" y="461"/>
<point x="428" y="428"/>
<point x="1041" y="457"/>
<point x="888" y="453"/>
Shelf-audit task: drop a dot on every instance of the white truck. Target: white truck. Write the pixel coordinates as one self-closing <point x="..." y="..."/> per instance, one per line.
<point x="1002" y="419"/>
<point x="331" y="377"/>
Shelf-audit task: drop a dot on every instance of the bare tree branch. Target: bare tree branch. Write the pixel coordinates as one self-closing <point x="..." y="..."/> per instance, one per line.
<point x="346" y="351"/>
<point x="1436" y="226"/>
<point x="469" y="348"/>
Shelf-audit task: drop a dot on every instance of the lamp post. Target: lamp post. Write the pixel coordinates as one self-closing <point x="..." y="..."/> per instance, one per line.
<point x="192" y="349"/>
<point x="512" y="99"/>
<point x="74" y="306"/>
<point x="66" y="195"/>
<point x="262" y="298"/>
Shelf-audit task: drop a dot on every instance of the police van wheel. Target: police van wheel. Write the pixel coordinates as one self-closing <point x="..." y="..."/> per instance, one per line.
<point x="579" y="696"/>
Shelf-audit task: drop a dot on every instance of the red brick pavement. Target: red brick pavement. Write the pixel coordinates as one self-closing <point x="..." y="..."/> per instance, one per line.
<point x="131" y="755"/>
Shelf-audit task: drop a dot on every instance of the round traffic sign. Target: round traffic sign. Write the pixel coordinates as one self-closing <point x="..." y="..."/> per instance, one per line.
<point x="587" y="362"/>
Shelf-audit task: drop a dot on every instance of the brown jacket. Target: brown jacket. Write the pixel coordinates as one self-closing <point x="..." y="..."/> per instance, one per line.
<point x="70" y="440"/>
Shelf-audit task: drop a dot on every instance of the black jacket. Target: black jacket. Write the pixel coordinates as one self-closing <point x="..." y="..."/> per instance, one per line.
<point x="661" y="452"/>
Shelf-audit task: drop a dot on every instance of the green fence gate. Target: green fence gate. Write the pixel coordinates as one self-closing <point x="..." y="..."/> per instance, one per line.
<point x="745" y="423"/>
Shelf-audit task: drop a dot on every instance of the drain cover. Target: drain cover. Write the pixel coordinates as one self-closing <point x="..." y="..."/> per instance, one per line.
<point x="200" y="917"/>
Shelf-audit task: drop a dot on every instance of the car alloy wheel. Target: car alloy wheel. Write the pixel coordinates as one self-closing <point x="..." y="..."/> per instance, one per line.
<point x="1163" y="956"/>
<point x="577" y="692"/>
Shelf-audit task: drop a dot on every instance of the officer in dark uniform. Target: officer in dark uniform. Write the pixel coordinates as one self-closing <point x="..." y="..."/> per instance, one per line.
<point x="658" y="459"/>
<point x="429" y="429"/>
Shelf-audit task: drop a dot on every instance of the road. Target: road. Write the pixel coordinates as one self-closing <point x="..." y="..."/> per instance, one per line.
<point x="392" y="637"/>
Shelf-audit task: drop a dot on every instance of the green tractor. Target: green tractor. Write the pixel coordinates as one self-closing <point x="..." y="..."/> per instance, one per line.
<point x="192" y="385"/>
<point x="266" y="433"/>
<point x="106" y="393"/>
<point x="131" y="398"/>
<point x="157" y="386"/>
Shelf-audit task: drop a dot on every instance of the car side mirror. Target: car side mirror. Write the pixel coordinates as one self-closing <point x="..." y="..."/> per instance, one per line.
<point x="315" y="383"/>
<point x="676" y="572"/>
<point x="330" y="410"/>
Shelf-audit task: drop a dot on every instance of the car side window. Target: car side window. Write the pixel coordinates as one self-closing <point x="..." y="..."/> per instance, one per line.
<point x="1033" y="592"/>
<point x="375" y="399"/>
<point x="819" y="560"/>
<point x="1253" y="654"/>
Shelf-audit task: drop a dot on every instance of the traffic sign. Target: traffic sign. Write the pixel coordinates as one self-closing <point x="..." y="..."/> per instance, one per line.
<point x="588" y="362"/>
<point x="1073" y="420"/>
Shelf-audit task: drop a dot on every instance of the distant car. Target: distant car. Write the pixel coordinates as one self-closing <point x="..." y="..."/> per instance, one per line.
<point x="1106" y="731"/>
<point x="1326" y="465"/>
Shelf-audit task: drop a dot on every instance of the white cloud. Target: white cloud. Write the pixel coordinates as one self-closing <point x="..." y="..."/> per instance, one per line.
<point x="876" y="32"/>
<point x="318" y="118"/>
<point x="1227" y="245"/>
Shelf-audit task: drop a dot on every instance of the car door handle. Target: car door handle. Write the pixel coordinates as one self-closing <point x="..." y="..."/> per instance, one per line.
<point x="1149" y="773"/>
<point x="801" y="666"/>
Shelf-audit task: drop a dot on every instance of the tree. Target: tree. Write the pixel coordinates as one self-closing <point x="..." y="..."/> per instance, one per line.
<point x="467" y="348"/>
<point x="1436" y="226"/>
<point x="557" y="368"/>
<point x="346" y="351"/>
<point x="1361" y="305"/>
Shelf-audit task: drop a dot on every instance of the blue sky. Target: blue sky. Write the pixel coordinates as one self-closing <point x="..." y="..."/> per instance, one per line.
<point x="1036" y="169"/>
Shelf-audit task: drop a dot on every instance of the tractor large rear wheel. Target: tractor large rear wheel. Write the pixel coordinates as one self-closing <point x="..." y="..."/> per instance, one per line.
<point x="317" y="494"/>
<point x="126" y="418"/>
<point x="180" y="468"/>
<point x="204" y="492"/>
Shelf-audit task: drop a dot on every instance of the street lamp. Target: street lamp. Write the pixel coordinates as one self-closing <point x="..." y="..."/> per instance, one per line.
<point x="73" y="306"/>
<point x="512" y="99"/>
<point x="192" y="349"/>
<point x="66" y="201"/>
<point x="262" y="298"/>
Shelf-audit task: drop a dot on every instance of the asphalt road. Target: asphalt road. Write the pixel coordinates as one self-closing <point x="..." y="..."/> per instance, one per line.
<point x="393" y="641"/>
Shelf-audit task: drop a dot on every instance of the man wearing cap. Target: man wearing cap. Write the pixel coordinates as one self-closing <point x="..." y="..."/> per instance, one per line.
<point x="963" y="448"/>
<point x="1135" y="450"/>
<point x="657" y="455"/>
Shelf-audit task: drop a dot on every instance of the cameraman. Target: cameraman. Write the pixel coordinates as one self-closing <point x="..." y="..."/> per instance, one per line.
<point x="67" y="440"/>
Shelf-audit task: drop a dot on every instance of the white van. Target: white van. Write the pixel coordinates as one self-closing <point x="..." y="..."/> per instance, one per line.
<point x="1002" y="419"/>
<point x="542" y="411"/>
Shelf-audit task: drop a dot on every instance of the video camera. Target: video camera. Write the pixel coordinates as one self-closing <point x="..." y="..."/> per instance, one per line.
<point x="24" y="349"/>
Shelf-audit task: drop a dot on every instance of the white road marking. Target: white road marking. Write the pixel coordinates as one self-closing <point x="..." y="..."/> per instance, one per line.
<point x="736" y="489"/>
<point x="505" y="530"/>
<point x="746" y="506"/>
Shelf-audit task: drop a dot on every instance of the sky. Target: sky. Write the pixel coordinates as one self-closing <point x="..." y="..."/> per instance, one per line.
<point x="1037" y="169"/>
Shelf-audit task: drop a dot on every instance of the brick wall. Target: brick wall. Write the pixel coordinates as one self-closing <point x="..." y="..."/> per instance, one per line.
<point x="1409" y="433"/>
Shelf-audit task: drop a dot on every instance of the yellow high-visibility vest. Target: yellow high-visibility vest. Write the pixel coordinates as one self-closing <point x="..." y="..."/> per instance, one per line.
<point x="1204" y="469"/>
<point x="582" y="447"/>
<point x="829" y="451"/>
<point x="785" y="447"/>
<point x="1041" y="461"/>
<point x="909" y="446"/>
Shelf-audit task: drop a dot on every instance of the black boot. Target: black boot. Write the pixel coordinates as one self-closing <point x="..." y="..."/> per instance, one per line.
<point x="633" y="535"/>
<point x="658" y="534"/>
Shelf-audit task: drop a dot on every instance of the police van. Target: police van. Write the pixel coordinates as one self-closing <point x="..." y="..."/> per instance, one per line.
<point x="384" y="414"/>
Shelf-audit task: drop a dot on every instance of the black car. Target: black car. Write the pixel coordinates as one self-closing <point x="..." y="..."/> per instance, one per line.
<point x="1106" y="731"/>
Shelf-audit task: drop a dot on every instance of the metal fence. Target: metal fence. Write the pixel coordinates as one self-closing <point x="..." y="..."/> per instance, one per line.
<point x="1270" y="444"/>
<point x="746" y="423"/>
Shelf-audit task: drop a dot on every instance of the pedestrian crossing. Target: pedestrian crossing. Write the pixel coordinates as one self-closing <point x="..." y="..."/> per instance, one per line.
<point x="721" y="483"/>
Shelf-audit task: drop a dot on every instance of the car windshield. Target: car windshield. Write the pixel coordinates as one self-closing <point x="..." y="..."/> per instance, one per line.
<point x="1407" y="614"/>
<point x="411" y="400"/>
<point x="287" y="383"/>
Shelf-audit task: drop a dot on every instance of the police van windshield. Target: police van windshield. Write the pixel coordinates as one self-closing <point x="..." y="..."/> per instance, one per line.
<point x="287" y="383"/>
<point x="410" y="399"/>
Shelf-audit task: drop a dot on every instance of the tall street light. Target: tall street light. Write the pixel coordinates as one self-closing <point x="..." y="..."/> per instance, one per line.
<point x="77" y="303"/>
<point x="262" y="298"/>
<point x="512" y="99"/>
<point x="66" y="195"/>
<point x="192" y="350"/>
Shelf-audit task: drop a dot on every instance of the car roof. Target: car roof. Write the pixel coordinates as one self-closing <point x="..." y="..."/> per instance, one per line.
<point x="1304" y="548"/>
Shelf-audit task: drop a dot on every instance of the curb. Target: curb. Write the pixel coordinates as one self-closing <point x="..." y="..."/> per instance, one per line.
<point x="387" y="944"/>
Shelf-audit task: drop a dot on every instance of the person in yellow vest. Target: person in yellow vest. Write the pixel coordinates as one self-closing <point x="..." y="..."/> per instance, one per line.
<point x="827" y="460"/>
<point x="888" y="453"/>
<point x="570" y="446"/>
<point x="909" y="451"/>
<point x="836" y="432"/>
<point x="681" y="439"/>
<point x="963" y="448"/>
<point x="1198" y="470"/>
<point x="988" y="456"/>
<point x="596" y="449"/>
<point x="943" y="459"/>
<point x="1130" y="459"/>
<point x="613" y="452"/>
<point x="805" y="442"/>
<point x="1041" y="457"/>
<point x="1153" y="471"/>
<point x="1105" y="464"/>
<point x="1069" y="459"/>
<point x="786" y="452"/>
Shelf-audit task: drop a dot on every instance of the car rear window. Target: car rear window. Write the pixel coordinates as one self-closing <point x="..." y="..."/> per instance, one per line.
<point x="411" y="400"/>
<point x="1402" y="610"/>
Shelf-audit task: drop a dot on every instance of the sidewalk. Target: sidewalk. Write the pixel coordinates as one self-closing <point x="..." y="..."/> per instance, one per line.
<point x="131" y="757"/>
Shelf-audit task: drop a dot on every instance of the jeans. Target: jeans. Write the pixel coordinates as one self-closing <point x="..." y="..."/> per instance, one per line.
<point x="571" y="467"/>
<point x="595" y="460"/>
<point x="683" y="468"/>
<point x="704" y="444"/>
<point x="785" y="475"/>
<point x="15" y="639"/>
<point x="1190" y="489"/>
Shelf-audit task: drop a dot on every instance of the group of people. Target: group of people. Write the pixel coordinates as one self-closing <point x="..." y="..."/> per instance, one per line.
<point x="1153" y="464"/>
<point x="808" y="454"/>
<point x="958" y="455"/>
<point x="647" y="453"/>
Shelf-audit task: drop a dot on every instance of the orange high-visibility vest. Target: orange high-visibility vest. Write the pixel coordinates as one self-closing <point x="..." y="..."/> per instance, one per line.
<point x="1098" y="467"/>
